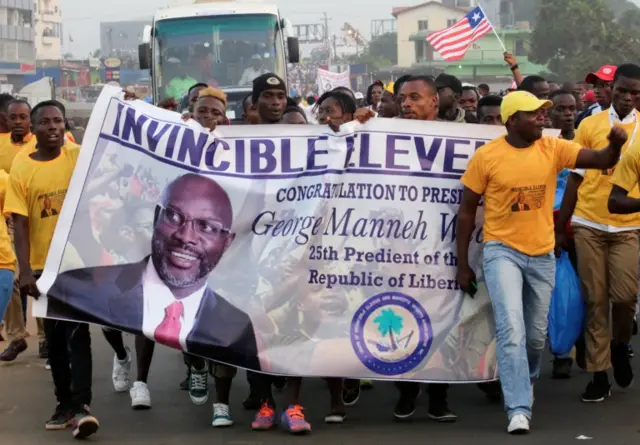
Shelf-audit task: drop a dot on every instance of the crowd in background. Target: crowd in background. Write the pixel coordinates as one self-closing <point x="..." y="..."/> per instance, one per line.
<point x="597" y="222"/>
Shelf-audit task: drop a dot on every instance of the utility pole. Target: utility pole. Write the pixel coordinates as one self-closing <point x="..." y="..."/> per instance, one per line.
<point x="328" y="37"/>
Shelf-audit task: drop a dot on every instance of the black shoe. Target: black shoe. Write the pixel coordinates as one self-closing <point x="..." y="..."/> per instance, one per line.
<point x="350" y="396"/>
<point x="252" y="403"/>
<point x="62" y="418"/>
<point x="581" y="353"/>
<point x="440" y="412"/>
<point x="405" y="407"/>
<point x="630" y="351"/>
<point x="562" y="368"/>
<point x="622" y="371"/>
<point x="43" y="350"/>
<point x="598" y="389"/>
<point x="493" y="390"/>
<point x="14" y="349"/>
<point x="84" y="424"/>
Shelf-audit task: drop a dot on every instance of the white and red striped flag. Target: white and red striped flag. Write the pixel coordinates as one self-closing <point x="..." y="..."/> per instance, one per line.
<point x="452" y="43"/>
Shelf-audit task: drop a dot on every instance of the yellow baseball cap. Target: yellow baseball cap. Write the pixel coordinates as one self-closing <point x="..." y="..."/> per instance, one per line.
<point x="389" y="87"/>
<point x="521" y="101"/>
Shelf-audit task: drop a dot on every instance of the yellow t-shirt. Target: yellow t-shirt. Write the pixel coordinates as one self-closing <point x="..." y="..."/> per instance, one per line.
<point x="593" y="193"/>
<point x="7" y="256"/>
<point x="627" y="172"/>
<point x="519" y="186"/>
<point x="37" y="190"/>
<point x="9" y="150"/>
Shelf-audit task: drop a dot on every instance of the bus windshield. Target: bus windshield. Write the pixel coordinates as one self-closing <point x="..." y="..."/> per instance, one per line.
<point x="222" y="51"/>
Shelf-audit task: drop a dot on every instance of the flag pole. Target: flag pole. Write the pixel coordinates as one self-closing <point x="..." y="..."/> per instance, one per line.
<point x="493" y="29"/>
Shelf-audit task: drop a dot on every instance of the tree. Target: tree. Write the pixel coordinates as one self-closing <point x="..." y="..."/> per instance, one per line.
<point x="382" y="51"/>
<point x="574" y="37"/>
<point x="389" y="323"/>
<point x="527" y="10"/>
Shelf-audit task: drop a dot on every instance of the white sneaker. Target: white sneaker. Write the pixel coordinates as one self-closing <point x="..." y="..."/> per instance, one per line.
<point x="519" y="424"/>
<point x="120" y="374"/>
<point x="140" y="396"/>
<point x="221" y="415"/>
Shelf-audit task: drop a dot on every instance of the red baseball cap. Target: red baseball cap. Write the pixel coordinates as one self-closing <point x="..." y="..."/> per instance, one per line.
<point x="605" y="73"/>
<point x="589" y="96"/>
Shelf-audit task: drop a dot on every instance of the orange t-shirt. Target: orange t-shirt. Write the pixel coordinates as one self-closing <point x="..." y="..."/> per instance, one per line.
<point x="519" y="185"/>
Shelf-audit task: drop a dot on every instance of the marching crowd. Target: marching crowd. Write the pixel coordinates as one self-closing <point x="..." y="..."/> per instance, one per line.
<point x="515" y="176"/>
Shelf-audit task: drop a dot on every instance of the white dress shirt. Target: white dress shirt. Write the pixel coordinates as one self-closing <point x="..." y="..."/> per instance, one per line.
<point x="157" y="297"/>
<point x="249" y="74"/>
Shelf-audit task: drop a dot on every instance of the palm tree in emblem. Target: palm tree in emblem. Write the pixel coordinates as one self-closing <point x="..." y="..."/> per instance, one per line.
<point x="389" y="323"/>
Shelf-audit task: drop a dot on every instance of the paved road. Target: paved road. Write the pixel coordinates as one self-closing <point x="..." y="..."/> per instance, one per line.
<point x="26" y="401"/>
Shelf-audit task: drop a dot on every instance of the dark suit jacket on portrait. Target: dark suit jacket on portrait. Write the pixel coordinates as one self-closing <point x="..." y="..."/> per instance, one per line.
<point x="112" y="296"/>
<point x="44" y="214"/>
<point x="516" y="207"/>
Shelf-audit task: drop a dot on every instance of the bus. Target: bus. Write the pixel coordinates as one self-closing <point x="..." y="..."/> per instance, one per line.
<point x="223" y="44"/>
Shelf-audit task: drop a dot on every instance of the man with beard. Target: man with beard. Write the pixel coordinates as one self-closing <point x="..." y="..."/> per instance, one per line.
<point x="166" y="296"/>
<point x="419" y="98"/>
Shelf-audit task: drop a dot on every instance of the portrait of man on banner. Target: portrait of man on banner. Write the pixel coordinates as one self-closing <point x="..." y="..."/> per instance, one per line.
<point x="166" y="296"/>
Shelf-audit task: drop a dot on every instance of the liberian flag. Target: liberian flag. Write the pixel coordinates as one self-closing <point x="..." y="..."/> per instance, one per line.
<point x="452" y="43"/>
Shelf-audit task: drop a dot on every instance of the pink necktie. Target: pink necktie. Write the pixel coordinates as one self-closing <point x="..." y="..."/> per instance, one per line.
<point x="168" y="332"/>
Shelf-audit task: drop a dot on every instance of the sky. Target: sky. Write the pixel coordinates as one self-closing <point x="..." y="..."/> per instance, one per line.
<point x="82" y="17"/>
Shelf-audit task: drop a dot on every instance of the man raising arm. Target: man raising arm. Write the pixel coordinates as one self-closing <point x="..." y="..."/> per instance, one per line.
<point x="516" y="175"/>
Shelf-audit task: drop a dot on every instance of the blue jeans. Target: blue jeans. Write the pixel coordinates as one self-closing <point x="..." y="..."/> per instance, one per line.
<point x="520" y="288"/>
<point x="6" y="289"/>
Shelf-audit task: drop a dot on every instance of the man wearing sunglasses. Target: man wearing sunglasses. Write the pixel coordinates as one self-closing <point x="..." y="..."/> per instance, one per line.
<point x="166" y="296"/>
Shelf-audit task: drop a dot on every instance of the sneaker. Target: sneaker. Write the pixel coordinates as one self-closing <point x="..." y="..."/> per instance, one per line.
<point x="184" y="385"/>
<point x="335" y="418"/>
<point x="366" y="384"/>
<point x="14" y="349"/>
<point x="47" y="365"/>
<point x="199" y="386"/>
<point x="519" y="424"/>
<point x="581" y="353"/>
<point x="252" y="402"/>
<point x="265" y="419"/>
<point x="630" y="350"/>
<point x="293" y="420"/>
<point x="221" y="416"/>
<point x="596" y="392"/>
<point x="140" y="396"/>
<point x="440" y="412"/>
<point x="61" y="419"/>
<point x="120" y="373"/>
<point x="405" y="407"/>
<point x="350" y="396"/>
<point x="84" y="424"/>
<point x="43" y="350"/>
<point x="622" y="371"/>
<point x="493" y="390"/>
<point x="562" y="368"/>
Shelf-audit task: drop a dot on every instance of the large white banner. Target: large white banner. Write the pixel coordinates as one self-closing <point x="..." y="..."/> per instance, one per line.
<point x="328" y="80"/>
<point x="286" y="249"/>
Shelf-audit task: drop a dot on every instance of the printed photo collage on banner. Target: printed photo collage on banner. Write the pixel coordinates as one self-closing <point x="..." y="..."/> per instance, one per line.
<point x="287" y="250"/>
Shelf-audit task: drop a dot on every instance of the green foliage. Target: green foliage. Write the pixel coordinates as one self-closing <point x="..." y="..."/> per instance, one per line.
<point x="527" y="10"/>
<point x="381" y="52"/>
<point x="574" y="37"/>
